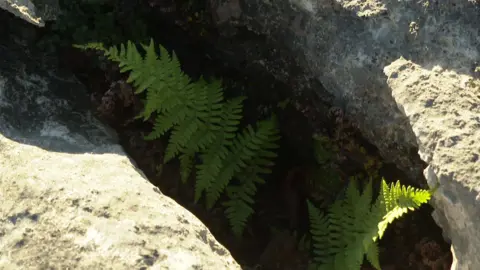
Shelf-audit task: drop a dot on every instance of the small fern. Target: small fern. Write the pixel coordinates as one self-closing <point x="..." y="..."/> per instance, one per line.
<point x="201" y="124"/>
<point x="350" y="229"/>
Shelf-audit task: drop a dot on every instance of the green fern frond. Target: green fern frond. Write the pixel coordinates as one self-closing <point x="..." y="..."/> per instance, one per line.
<point x="352" y="225"/>
<point x="250" y="147"/>
<point x="262" y="145"/>
<point x="186" y="166"/>
<point x="92" y="45"/>
<point x="230" y="166"/>
<point x="218" y="151"/>
<point x="180" y="136"/>
<point x="320" y="235"/>
<point x="201" y="123"/>
<point x="165" y="122"/>
<point x="372" y="255"/>
<point x="396" y="200"/>
<point x="239" y="207"/>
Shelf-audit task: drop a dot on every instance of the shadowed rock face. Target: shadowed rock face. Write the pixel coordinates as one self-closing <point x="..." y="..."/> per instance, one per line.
<point x="344" y="45"/>
<point x="430" y="102"/>
<point x="70" y="196"/>
<point x="403" y="71"/>
<point x="423" y="108"/>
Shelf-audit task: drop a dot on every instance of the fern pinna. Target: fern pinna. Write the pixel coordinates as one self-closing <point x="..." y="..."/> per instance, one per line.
<point x="352" y="225"/>
<point x="202" y="124"/>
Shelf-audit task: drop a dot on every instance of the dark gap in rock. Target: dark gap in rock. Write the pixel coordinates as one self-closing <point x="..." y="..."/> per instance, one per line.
<point x="280" y="203"/>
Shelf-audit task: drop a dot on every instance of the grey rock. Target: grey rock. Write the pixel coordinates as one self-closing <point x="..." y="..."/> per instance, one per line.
<point x="443" y="107"/>
<point x="48" y="10"/>
<point x="339" y="50"/>
<point x="36" y="12"/>
<point x="23" y="9"/>
<point x="345" y="45"/>
<point x="70" y="196"/>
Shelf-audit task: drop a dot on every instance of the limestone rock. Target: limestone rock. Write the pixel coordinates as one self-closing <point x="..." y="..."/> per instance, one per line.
<point x="48" y="10"/>
<point x="36" y="12"/>
<point x="70" y="197"/>
<point x="443" y="107"/>
<point x="340" y="48"/>
<point x="23" y="9"/>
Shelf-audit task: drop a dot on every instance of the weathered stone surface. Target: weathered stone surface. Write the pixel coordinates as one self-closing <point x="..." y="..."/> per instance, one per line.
<point x="340" y="49"/>
<point x="48" y="10"/>
<point x="36" y="12"/>
<point x="443" y="107"/>
<point x="345" y="46"/>
<point x="23" y="9"/>
<point x="70" y="197"/>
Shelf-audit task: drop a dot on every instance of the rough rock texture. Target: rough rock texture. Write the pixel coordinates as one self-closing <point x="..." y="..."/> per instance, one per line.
<point x="443" y="107"/>
<point x="23" y="9"/>
<point x="70" y="196"/>
<point x="48" y="10"/>
<point x="344" y="46"/>
<point x="340" y="49"/>
<point x="36" y="12"/>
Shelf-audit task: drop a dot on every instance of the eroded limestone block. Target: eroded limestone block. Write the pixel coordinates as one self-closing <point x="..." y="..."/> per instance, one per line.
<point x="70" y="197"/>
<point x="443" y="108"/>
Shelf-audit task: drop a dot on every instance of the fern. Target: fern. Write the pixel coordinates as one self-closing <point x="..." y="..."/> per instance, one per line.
<point x="349" y="231"/>
<point x="257" y="149"/>
<point x="201" y="124"/>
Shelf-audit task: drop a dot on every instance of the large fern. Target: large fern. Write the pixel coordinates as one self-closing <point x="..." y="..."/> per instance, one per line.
<point x="350" y="229"/>
<point x="201" y="124"/>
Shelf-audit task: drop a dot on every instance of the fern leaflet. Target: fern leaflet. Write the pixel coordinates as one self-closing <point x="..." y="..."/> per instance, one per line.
<point x="350" y="229"/>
